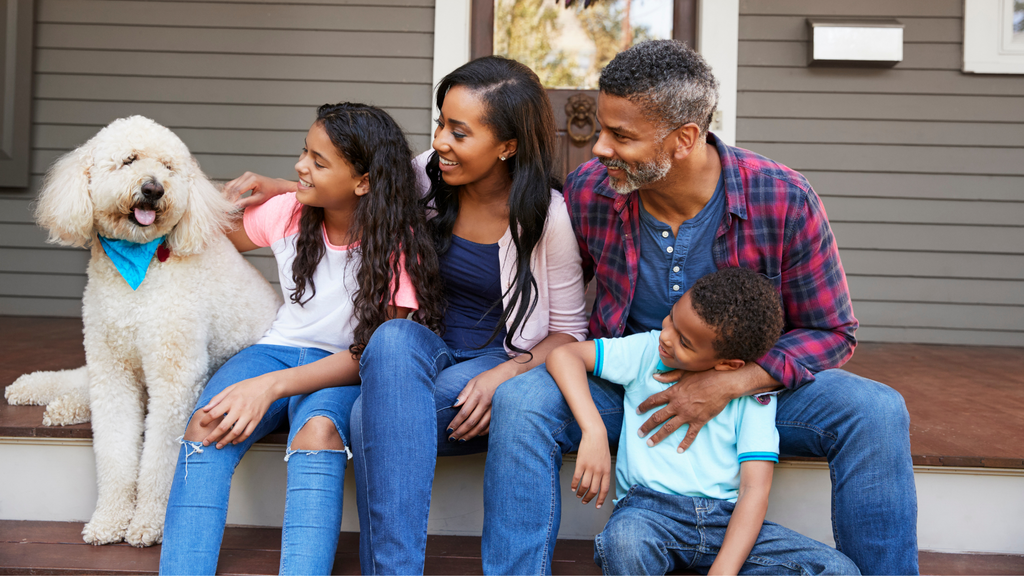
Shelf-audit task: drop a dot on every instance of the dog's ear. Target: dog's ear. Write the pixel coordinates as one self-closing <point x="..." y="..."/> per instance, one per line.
<point x="64" y="206"/>
<point x="207" y="213"/>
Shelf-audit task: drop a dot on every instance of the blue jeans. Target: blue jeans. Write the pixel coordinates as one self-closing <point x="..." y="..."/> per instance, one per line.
<point x="654" y="533"/>
<point x="861" y="426"/>
<point x="410" y="379"/>
<point x="198" y="506"/>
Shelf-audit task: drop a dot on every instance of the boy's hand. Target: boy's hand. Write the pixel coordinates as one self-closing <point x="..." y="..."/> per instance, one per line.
<point x="592" y="476"/>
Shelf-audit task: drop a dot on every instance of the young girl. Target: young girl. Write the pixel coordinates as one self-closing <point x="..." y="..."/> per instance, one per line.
<point x="352" y="251"/>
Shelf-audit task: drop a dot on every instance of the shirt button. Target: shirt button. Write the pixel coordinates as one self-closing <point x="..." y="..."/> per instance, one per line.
<point x="675" y="268"/>
<point x="676" y="287"/>
<point x="669" y="249"/>
<point x="664" y="233"/>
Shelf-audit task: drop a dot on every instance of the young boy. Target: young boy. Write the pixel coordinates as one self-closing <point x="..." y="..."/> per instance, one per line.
<point x="702" y="509"/>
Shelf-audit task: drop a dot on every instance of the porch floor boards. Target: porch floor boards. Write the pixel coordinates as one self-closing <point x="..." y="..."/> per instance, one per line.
<point x="30" y="547"/>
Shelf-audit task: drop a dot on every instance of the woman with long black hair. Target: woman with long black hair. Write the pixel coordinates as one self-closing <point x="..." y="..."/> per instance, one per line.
<point x="511" y="270"/>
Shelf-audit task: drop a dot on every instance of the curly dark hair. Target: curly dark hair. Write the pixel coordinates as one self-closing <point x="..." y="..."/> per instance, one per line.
<point x="515" y="107"/>
<point x="389" y="223"/>
<point x="672" y="84"/>
<point x="743" y="307"/>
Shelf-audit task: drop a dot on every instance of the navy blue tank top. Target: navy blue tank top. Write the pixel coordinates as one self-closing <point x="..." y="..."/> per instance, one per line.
<point x="472" y="286"/>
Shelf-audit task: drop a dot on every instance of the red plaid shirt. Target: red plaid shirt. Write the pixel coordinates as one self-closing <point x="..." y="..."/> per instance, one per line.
<point x="774" y="224"/>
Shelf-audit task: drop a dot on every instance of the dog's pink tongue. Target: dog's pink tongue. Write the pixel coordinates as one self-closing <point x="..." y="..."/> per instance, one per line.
<point x="145" y="217"/>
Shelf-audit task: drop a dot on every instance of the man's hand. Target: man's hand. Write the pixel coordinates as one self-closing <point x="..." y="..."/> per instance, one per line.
<point x="698" y="397"/>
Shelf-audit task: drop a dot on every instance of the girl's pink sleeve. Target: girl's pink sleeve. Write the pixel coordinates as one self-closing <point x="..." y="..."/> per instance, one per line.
<point x="406" y="296"/>
<point x="272" y="220"/>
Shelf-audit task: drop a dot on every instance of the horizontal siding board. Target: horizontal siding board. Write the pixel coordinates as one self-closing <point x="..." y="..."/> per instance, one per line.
<point x="944" y="186"/>
<point x="903" y="263"/>
<point x="199" y="141"/>
<point x="900" y="211"/>
<point x="213" y="14"/>
<point x="923" y="56"/>
<point x="217" y="167"/>
<point x="24" y="306"/>
<point x="388" y="3"/>
<point x="263" y="66"/>
<point x="879" y="158"/>
<point x="928" y="237"/>
<point x="932" y="8"/>
<point x="939" y="336"/>
<point x="176" y="115"/>
<point x="794" y="28"/>
<point x="44" y="285"/>
<point x="25" y="235"/>
<point x="938" y="290"/>
<point x="877" y="80"/>
<point x="49" y="260"/>
<point x="225" y="91"/>
<point x="214" y="40"/>
<point x="927" y="315"/>
<point x="256" y="142"/>
<point x="826" y="131"/>
<point x="943" y="108"/>
<point x="16" y="210"/>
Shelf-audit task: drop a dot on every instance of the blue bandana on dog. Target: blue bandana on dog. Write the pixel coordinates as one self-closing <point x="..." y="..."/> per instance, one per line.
<point x="131" y="259"/>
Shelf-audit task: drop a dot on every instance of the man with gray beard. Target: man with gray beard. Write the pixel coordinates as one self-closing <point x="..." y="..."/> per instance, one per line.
<point x="664" y="203"/>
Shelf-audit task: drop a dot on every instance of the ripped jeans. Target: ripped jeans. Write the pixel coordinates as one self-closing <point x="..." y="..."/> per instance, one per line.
<point x="198" y="506"/>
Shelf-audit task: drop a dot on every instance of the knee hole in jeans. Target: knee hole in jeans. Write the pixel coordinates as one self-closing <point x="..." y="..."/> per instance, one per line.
<point x="195" y="432"/>
<point x="318" y="433"/>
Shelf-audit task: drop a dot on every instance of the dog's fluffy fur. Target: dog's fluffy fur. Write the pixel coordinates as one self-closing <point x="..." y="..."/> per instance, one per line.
<point x="150" y="351"/>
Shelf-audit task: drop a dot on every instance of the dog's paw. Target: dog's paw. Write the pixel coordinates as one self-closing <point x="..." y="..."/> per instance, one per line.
<point x="28" y="390"/>
<point x="142" y="532"/>
<point x="104" y="531"/>
<point x="67" y="410"/>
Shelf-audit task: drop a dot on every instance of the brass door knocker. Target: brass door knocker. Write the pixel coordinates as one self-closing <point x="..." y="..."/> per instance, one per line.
<point x="581" y="111"/>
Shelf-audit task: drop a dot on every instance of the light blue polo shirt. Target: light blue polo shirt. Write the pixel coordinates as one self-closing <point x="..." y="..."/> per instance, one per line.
<point x="710" y="468"/>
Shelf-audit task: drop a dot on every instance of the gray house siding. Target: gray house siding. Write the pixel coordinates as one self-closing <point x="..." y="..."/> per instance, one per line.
<point x="237" y="81"/>
<point x="920" y="167"/>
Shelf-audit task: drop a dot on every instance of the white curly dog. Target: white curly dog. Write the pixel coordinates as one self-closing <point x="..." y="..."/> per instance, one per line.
<point x="149" y="351"/>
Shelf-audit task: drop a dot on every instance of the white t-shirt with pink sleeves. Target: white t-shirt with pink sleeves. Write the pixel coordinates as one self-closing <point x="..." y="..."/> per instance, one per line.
<point x="326" y="321"/>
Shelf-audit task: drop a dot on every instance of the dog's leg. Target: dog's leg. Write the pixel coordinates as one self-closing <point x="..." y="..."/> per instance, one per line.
<point x="65" y="393"/>
<point x="117" y="399"/>
<point x="174" y="379"/>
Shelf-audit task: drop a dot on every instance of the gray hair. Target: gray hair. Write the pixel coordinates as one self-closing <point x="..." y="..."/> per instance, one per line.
<point x="672" y="84"/>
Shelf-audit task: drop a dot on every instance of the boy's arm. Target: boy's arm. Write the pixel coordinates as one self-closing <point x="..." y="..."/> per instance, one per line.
<point x="568" y="365"/>
<point x="747" y="517"/>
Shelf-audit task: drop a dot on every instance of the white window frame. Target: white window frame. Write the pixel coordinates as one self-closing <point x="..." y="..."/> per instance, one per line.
<point x="988" y="38"/>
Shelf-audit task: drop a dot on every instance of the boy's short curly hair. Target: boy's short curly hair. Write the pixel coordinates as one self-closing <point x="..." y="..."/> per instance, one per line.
<point x="743" y="307"/>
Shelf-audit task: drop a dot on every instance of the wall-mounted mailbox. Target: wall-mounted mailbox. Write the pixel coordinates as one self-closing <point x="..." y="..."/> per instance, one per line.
<point x="849" y="42"/>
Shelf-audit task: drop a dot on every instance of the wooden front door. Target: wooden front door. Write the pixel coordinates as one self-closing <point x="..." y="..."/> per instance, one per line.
<point x="574" y="109"/>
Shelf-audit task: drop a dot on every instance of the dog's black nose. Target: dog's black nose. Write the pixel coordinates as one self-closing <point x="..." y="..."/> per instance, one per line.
<point x="152" y="190"/>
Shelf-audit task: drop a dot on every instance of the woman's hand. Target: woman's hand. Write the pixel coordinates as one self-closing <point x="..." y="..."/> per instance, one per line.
<point x="242" y="406"/>
<point x="263" y="189"/>
<point x="474" y="419"/>
<point x="593" y="474"/>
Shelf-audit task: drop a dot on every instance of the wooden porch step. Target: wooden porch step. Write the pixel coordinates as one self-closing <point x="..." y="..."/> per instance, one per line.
<point x="28" y="547"/>
<point x="966" y="403"/>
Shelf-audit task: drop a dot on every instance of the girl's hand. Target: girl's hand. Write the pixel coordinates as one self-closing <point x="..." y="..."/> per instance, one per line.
<point x="593" y="476"/>
<point x="263" y="189"/>
<point x="474" y="419"/>
<point x="242" y="406"/>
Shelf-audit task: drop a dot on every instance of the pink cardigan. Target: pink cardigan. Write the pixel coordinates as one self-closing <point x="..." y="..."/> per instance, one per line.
<point x="556" y="266"/>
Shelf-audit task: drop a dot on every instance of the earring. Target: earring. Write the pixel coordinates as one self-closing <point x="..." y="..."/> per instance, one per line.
<point x="502" y="158"/>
